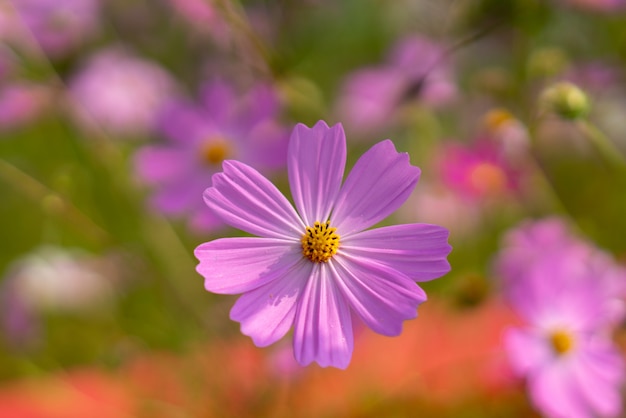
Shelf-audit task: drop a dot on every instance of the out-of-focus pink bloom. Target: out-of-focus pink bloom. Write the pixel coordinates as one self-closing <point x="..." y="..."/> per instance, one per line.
<point x="570" y="294"/>
<point x="22" y="102"/>
<point x="416" y="70"/>
<point x="223" y="125"/>
<point x="566" y="354"/>
<point x="59" y="25"/>
<point x="120" y="92"/>
<point x="55" y="279"/>
<point x="478" y="171"/>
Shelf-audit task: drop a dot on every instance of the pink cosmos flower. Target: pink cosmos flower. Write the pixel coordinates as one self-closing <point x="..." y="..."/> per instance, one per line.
<point x="120" y="92"/>
<point x="315" y="266"/>
<point x="570" y="294"/>
<point x="566" y="354"/>
<point x="200" y="136"/>
<point x="415" y="70"/>
<point x="535" y="247"/>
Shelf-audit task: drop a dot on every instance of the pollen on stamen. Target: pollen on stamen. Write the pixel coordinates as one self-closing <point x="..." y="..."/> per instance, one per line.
<point x="561" y="341"/>
<point x="320" y="242"/>
<point x="215" y="150"/>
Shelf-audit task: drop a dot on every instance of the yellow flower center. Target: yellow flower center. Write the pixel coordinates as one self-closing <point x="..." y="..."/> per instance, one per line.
<point x="320" y="242"/>
<point x="488" y="178"/>
<point x="561" y="342"/>
<point x="215" y="150"/>
<point x="497" y="118"/>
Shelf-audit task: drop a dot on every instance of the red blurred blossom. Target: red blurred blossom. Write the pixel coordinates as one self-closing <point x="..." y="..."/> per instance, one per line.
<point x="443" y="363"/>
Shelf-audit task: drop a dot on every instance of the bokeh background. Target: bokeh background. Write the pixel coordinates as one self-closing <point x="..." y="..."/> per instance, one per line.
<point x="115" y="113"/>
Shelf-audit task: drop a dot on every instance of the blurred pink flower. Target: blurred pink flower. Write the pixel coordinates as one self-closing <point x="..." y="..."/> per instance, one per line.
<point x="572" y="367"/>
<point x="315" y="266"/>
<point x="22" y="102"/>
<point x="120" y="92"/>
<point x="478" y="171"/>
<point x="59" y="25"/>
<point x="570" y="294"/>
<point x="533" y="248"/>
<point x="416" y="70"/>
<point x="57" y="279"/>
<point x="200" y="136"/>
<point x="54" y="279"/>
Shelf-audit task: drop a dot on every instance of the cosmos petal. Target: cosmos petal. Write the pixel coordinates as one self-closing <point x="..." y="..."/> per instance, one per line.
<point x="323" y="326"/>
<point x="246" y="200"/>
<point x="381" y="296"/>
<point x="380" y="182"/>
<point x="267" y="312"/>
<point x="417" y="250"/>
<point x="316" y="161"/>
<point x="237" y="265"/>
<point x="555" y="394"/>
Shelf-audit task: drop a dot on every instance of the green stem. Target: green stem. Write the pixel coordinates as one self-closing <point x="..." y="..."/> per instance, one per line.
<point x="605" y="147"/>
<point x="52" y="202"/>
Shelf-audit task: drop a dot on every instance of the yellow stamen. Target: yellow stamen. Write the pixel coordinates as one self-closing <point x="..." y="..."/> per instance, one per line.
<point x="215" y="150"/>
<point x="320" y="242"/>
<point x="497" y="118"/>
<point x="561" y="342"/>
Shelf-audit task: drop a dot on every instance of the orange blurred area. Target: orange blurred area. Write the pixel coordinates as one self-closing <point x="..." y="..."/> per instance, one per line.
<point x="445" y="360"/>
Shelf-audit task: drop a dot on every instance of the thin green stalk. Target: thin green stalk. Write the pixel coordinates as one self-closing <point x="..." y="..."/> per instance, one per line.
<point x="605" y="147"/>
<point x="52" y="202"/>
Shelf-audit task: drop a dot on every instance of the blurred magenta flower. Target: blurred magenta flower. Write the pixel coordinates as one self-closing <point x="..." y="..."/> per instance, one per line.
<point x="570" y="294"/>
<point x="314" y="266"/>
<point x="477" y="171"/>
<point x="59" y="26"/>
<point x="200" y="136"/>
<point x="416" y="70"/>
<point x="120" y="92"/>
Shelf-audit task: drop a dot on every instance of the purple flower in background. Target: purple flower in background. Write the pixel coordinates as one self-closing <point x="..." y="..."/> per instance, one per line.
<point x="570" y="295"/>
<point x="120" y="92"/>
<point x="415" y="70"/>
<point x="59" y="25"/>
<point x="200" y="136"/>
<point x="315" y="266"/>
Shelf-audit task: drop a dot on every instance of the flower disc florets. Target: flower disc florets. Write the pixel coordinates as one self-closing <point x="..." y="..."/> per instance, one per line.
<point x="561" y="341"/>
<point x="320" y="242"/>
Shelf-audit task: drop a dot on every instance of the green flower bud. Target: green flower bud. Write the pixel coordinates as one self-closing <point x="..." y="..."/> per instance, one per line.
<point x="566" y="100"/>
